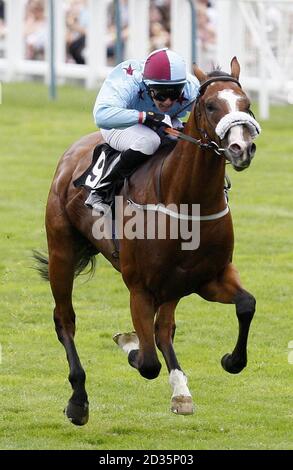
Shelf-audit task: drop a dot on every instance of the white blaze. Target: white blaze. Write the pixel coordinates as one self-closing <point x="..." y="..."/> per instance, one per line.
<point x="231" y="98"/>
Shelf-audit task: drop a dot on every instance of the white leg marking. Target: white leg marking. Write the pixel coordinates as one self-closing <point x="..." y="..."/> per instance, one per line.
<point x="127" y="341"/>
<point x="178" y="382"/>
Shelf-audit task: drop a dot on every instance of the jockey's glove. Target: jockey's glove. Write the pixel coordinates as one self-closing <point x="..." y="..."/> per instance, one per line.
<point x="156" y="120"/>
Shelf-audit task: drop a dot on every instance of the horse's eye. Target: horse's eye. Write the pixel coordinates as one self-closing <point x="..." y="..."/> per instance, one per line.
<point x="210" y="107"/>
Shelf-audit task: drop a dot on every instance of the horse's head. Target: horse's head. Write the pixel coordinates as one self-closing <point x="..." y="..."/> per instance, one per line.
<point x="222" y="114"/>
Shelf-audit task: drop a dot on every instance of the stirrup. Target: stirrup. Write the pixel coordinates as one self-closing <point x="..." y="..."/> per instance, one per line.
<point x="96" y="202"/>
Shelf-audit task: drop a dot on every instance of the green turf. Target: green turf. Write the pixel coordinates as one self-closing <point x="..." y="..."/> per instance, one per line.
<point x="249" y="411"/>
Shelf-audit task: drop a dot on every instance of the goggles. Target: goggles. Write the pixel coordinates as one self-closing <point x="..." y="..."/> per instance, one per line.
<point x="161" y="92"/>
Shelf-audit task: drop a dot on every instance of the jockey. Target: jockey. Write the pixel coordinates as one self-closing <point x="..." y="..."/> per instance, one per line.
<point x="136" y="102"/>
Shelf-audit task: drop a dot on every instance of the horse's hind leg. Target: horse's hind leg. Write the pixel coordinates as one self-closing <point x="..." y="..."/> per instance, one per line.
<point x="181" y="402"/>
<point x="61" y="274"/>
<point x="140" y="346"/>
<point x="228" y="289"/>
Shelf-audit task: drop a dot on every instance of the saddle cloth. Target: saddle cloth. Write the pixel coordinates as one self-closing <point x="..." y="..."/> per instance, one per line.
<point x="103" y="160"/>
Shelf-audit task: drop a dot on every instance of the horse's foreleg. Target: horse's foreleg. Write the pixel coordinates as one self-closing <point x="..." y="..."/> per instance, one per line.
<point x="145" y="358"/>
<point x="181" y="402"/>
<point x="61" y="274"/>
<point x="228" y="289"/>
<point x="140" y="345"/>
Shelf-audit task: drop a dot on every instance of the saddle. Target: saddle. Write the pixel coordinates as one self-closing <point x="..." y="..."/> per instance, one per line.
<point x="95" y="177"/>
<point x="103" y="161"/>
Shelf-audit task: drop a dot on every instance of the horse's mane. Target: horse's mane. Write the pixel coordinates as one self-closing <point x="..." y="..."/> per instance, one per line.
<point x="217" y="72"/>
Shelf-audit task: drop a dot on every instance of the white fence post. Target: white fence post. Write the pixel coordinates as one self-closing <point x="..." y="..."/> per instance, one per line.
<point x="138" y="29"/>
<point x="230" y="33"/>
<point x="60" y="39"/>
<point x="232" y="18"/>
<point x="263" y="99"/>
<point x="60" y="32"/>
<point x="15" y="40"/>
<point x="96" y="41"/>
<point x="181" y="30"/>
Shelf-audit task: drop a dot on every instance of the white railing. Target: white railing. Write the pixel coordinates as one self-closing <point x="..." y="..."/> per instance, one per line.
<point x="260" y="34"/>
<point x="14" y="66"/>
<point x="244" y="29"/>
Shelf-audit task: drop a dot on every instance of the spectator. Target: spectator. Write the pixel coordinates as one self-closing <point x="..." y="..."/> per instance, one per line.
<point x="2" y="19"/>
<point x="159" y="36"/>
<point x="2" y="26"/>
<point x="2" y="10"/>
<point x="159" y="24"/>
<point x="112" y="32"/>
<point x="35" y="30"/>
<point x="77" y="23"/>
<point x="206" y="29"/>
<point x="206" y="32"/>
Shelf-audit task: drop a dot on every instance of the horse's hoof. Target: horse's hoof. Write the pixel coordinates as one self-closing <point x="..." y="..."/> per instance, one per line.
<point x="230" y="366"/>
<point x="78" y="415"/>
<point x="127" y="341"/>
<point x="182" y="405"/>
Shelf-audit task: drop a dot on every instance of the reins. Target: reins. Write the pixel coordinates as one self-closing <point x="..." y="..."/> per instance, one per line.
<point x="211" y="145"/>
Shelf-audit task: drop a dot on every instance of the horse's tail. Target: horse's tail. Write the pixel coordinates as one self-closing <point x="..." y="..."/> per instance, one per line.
<point x="85" y="256"/>
<point x="42" y="264"/>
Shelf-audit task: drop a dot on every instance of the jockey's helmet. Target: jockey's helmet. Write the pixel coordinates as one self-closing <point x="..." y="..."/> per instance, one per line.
<point x="164" y="74"/>
<point x="164" y="67"/>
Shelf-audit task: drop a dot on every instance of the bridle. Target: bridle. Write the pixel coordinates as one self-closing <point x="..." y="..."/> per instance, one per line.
<point x="219" y="78"/>
<point x="211" y="144"/>
<point x="208" y="143"/>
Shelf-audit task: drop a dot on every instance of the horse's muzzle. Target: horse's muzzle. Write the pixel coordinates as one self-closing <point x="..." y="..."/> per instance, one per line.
<point x="240" y="156"/>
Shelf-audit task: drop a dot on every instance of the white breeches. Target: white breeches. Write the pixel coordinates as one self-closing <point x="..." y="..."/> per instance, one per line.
<point x="137" y="137"/>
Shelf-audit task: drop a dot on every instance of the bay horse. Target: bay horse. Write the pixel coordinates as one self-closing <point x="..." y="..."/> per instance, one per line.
<point x="157" y="272"/>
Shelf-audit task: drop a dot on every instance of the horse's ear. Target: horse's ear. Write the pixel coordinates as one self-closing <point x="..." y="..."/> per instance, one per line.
<point x="235" y="68"/>
<point x="200" y="75"/>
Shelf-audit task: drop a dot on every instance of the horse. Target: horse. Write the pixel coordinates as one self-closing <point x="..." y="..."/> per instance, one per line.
<point x="158" y="272"/>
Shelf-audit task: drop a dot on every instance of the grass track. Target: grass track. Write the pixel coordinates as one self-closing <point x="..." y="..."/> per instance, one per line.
<point x="249" y="411"/>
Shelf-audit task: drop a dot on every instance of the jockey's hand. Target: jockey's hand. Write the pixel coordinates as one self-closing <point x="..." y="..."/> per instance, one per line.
<point x="157" y="120"/>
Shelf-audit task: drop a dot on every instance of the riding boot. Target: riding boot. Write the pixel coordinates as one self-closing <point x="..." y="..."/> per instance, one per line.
<point x="129" y="161"/>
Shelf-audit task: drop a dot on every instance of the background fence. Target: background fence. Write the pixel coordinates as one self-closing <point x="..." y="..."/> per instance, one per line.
<point x="92" y="35"/>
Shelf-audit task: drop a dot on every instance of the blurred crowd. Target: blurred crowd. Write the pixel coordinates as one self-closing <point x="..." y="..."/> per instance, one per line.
<point x="77" y="19"/>
<point x="2" y="27"/>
